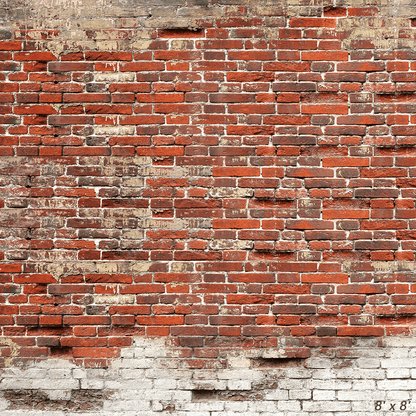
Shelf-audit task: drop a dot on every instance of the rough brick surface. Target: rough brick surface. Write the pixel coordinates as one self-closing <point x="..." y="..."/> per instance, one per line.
<point x="226" y="175"/>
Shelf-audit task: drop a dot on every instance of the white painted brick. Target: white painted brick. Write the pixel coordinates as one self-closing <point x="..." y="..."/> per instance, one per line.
<point x="239" y="362"/>
<point x="361" y="395"/>
<point x="277" y="395"/>
<point x="128" y="394"/>
<point x="32" y="413"/>
<point x="239" y="385"/>
<point x="158" y="395"/>
<point x="79" y="373"/>
<point x="290" y="405"/>
<point x="323" y="374"/>
<point x="59" y="373"/>
<point x="399" y="363"/>
<point x="4" y="404"/>
<point x="324" y="406"/>
<point x="159" y="373"/>
<point x="242" y="374"/>
<point x="29" y="373"/>
<point x="126" y="384"/>
<point x="364" y="385"/>
<point x="328" y="385"/>
<point x="55" y="363"/>
<point x="368" y="363"/>
<point x="57" y="384"/>
<point x="324" y="395"/>
<point x="136" y="374"/>
<point x="92" y="384"/>
<point x="157" y="406"/>
<point x="202" y="385"/>
<point x="126" y="405"/>
<point x="212" y="406"/>
<point x="289" y="384"/>
<point x="300" y="394"/>
<point x="295" y="373"/>
<point x="165" y="363"/>
<point x="154" y="352"/>
<point x="133" y="363"/>
<point x="399" y="395"/>
<point x="363" y="406"/>
<point x="98" y="372"/>
<point x="197" y="414"/>
<point x="399" y="342"/>
<point x="182" y="395"/>
<point x="236" y="406"/>
<point x="397" y="353"/>
<point x="165" y="384"/>
<point x="398" y="373"/>
<point x="279" y="414"/>
<point x="127" y="352"/>
<point x="351" y="373"/>
<point x="318" y="363"/>
<point x="58" y="394"/>
<point x="397" y="384"/>
<point x="262" y="406"/>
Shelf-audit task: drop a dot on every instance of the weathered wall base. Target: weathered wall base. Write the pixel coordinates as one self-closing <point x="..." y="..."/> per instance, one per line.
<point x="374" y="376"/>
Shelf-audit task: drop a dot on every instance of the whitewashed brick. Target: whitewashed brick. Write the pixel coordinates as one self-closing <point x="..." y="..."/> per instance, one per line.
<point x="352" y="395"/>
<point x="326" y="389"/>
<point x="236" y="406"/>
<point x="324" y="395"/>
<point x="277" y="395"/>
<point x="398" y="373"/>
<point x="165" y="384"/>
<point x="326" y="406"/>
<point x="368" y="363"/>
<point x="300" y="394"/>
<point x="239" y="385"/>
<point x="364" y="385"/>
<point x="397" y="384"/>
<point x="399" y="363"/>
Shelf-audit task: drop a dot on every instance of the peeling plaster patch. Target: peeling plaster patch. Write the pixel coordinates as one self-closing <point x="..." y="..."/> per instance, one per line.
<point x="231" y="245"/>
<point x="231" y="193"/>
<point x="84" y="267"/>
<point x="14" y="350"/>
<point x="114" y="130"/>
<point x="114" y="299"/>
<point x="382" y="266"/>
<point x="79" y="400"/>
<point x="114" y="76"/>
<point x="175" y="224"/>
<point x="176" y="172"/>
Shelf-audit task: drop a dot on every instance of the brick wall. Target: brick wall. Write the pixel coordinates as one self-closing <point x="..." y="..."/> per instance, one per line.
<point x="202" y="180"/>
